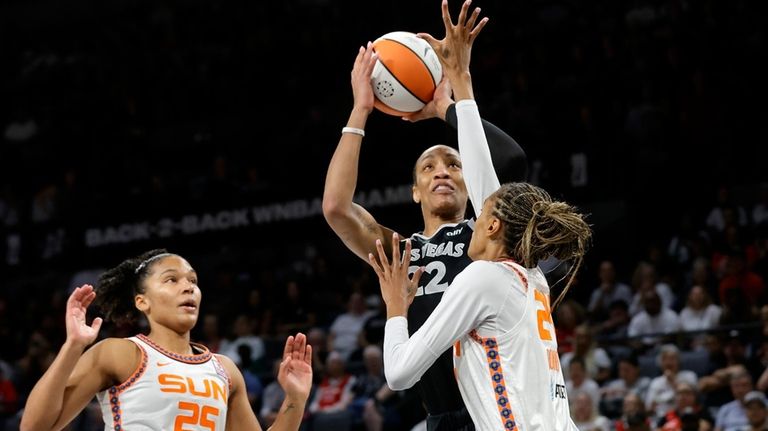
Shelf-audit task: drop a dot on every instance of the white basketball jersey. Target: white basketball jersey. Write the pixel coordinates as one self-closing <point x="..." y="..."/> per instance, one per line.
<point x="169" y="391"/>
<point x="511" y="376"/>
<point x="505" y="359"/>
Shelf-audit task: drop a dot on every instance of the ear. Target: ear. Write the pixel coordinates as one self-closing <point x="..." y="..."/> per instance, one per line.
<point x="141" y="302"/>
<point x="416" y="194"/>
<point x="494" y="228"/>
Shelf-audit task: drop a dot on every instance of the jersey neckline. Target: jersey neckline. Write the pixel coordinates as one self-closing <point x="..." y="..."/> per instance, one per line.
<point x="199" y="358"/>
<point x="442" y="226"/>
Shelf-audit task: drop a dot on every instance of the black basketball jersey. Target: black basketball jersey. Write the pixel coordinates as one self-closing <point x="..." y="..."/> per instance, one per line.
<point x="443" y="256"/>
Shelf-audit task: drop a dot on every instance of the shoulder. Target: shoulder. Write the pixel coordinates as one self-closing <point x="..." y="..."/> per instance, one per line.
<point x="115" y="356"/>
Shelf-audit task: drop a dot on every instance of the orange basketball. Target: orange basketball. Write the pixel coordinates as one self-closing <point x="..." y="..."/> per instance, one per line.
<point x="406" y="73"/>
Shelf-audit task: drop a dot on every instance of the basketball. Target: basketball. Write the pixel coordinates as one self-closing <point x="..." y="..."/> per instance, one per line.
<point x="406" y="73"/>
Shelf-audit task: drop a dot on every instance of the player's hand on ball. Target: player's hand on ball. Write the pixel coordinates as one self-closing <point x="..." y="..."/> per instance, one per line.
<point x="397" y="289"/>
<point x="436" y="107"/>
<point x="361" y="78"/>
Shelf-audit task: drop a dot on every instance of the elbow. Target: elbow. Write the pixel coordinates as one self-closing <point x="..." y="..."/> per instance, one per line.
<point x="28" y="424"/>
<point x="333" y="209"/>
<point x="397" y="381"/>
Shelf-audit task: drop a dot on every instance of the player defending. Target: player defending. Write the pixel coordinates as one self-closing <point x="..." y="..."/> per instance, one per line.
<point x="439" y="187"/>
<point x="160" y="380"/>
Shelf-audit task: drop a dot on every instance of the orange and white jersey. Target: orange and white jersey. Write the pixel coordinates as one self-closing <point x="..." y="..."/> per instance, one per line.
<point x="169" y="391"/>
<point x="505" y="358"/>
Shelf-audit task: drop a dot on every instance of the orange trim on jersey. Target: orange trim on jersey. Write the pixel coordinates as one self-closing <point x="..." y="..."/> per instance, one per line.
<point x="137" y="373"/>
<point x="523" y="278"/>
<point x="497" y="379"/>
<point x="188" y="359"/>
<point x="115" y="391"/>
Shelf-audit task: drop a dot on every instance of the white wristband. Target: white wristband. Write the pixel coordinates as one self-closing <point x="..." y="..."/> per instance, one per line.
<point x="354" y="130"/>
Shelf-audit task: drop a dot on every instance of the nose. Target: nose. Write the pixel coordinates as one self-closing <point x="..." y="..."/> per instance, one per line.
<point x="441" y="171"/>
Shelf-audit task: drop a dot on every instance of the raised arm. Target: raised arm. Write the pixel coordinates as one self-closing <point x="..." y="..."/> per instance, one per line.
<point x="454" y="52"/>
<point x="295" y="377"/>
<point x="74" y="377"/>
<point x="351" y="222"/>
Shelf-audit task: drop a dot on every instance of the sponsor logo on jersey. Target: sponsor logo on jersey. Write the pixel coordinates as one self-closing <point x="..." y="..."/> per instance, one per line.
<point x="454" y="232"/>
<point x="434" y="250"/>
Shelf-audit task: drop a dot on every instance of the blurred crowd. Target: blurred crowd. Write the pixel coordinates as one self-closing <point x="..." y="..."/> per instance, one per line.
<point x="649" y="113"/>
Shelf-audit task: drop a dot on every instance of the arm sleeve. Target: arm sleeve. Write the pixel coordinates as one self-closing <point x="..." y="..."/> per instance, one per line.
<point x="474" y="296"/>
<point x="509" y="158"/>
<point x="477" y="166"/>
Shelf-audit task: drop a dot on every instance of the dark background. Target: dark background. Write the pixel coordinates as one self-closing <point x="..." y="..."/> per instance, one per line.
<point x="134" y="111"/>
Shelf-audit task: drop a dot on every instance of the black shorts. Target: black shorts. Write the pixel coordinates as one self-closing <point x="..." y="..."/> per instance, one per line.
<point x="457" y="420"/>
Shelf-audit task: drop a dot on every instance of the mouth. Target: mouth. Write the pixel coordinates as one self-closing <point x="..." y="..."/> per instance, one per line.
<point x="189" y="306"/>
<point x="443" y="188"/>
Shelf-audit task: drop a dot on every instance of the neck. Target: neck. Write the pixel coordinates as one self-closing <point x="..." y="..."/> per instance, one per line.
<point x="494" y="250"/>
<point x="432" y="221"/>
<point x="171" y="340"/>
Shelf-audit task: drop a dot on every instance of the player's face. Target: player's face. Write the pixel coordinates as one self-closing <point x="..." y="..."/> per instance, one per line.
<point x="439" y="186"/>
<point x="172" y="297"/>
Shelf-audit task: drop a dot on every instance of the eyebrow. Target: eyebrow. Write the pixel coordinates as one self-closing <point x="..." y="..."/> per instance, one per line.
<point x="175" y="270"/>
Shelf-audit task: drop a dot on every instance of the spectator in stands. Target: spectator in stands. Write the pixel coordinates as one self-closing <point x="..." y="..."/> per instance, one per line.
<point x="608" y="291"/>
<point x="757" y="411"/>
<point x="732" y="416"/>
<point x="633" y="415"/>
<point x="739" y="276"/>
<point x="368" y="382"/>
<point x="9" y="397"/>
<point x="688" y="414"/>
<point x="629" y="380"/>
<point x="725" y="212"/>
<point x="346" y="328"/>
<point x="568" y="315"/>
<point x="596" y="359"/>
<point x="212" y="332"/>
<point x="295" y="312"/>
<point x="645" y="279"/>
<point x="616" y="325"/>
<point x="334" y="393"/>
<point x="319" y="338"/>
<point x="654" y="319"/>
<point x="244" y="330"/>
<point x="579" y="381"/>
<point x="586" y="416"/>
<point x="661" y="391"/>
<point x="253" y="385"/>
<point x="273" y="398"/>
<point x="699" y="314"/>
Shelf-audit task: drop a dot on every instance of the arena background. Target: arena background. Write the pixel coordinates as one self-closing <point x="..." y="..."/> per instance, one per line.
<point x="206" y="127"/>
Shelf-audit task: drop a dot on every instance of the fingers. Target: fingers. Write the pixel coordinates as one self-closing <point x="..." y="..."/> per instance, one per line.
<point x="96" y="324"/>
<point x="88" y="299"/>
<point x="416" y="277"/>
<point x="396" y="250"/>
<point x="308" y="355"/>
<point x="434" y="43"/>
<point x="406" y="254"/>
<point x="475" y="31"/>
<point x="288" y="350"/>
<point x="472" y="18"/>
<point x="463" y="13"/>
<point x="446" y="16"/>
<point x="382" y="255"/>
<point x="299" y="346"/>
<point x="375" y="264"/>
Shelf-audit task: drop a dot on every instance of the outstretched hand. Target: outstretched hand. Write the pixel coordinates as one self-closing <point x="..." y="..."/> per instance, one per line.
<point x="79" y="333"/>
<point x="295" y="375"/>
<point x="455" y="49"/>
<point x="397" y="289"/>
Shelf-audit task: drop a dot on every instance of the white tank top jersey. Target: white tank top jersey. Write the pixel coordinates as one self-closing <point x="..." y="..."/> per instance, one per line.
<point x="506" y="360"/>
<point x="169" y="391"/>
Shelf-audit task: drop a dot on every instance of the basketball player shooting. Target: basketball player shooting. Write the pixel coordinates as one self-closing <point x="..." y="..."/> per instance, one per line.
<point x="442" y="183"/>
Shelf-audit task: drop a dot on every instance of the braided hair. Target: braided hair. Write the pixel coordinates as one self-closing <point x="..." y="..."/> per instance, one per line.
<point x="118" y="286"/>
<point x="537" y="227"/>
